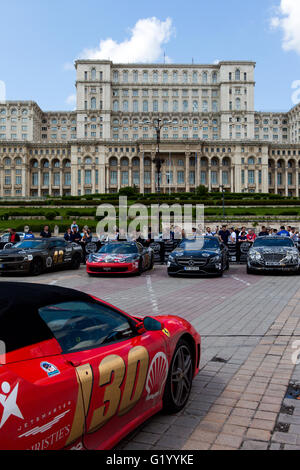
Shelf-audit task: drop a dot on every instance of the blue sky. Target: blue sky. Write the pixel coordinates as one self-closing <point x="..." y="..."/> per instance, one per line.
<point x="39" y="38"/>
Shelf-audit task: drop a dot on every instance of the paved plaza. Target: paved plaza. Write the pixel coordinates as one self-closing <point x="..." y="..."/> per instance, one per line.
<point x="248" y="325"/>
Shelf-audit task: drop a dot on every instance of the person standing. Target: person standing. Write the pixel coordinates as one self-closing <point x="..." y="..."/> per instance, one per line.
<point x="242" y="238"/>
<point x="232" y="236"/>
<point x="29" y="235"/>
<point x="209" y="232"/>
<point x="224" y="234"/>
<point x="251" y="235"/>
<point x="75" y="236"/>
<point x="283" y="232"/>
<point x="45" y="233"/>
<point x="67" y="235"/>
<point x="14" y="236"/>
<point x="74" y="224"/>
<point x="264" y="232"/>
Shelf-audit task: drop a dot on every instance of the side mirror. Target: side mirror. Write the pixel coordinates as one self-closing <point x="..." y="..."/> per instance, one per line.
<point x="151" y="324"/>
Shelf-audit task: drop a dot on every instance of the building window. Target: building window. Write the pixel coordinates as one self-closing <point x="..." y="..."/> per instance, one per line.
<point x="180" y="177"/>
<point x="87" y="177"/>
<point x="113" y="177"/>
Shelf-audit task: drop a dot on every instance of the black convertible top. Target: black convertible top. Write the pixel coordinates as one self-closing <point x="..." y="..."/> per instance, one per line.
<point x="20" y="323"/>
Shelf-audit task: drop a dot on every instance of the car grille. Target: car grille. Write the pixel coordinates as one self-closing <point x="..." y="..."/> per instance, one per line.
<point x="111" y="270"/>
<point x="8" y="259"/>
<point x="192" y="262"/>
<point x="273" y="257"/>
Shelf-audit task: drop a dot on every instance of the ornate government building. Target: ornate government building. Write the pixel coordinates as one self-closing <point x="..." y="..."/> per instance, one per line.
<point x="210" y="134"/>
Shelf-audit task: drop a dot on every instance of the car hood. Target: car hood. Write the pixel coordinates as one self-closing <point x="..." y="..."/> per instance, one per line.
<point x="196" y="253"/>
<point x="16" y="251"/>
<point x="111" y="257"/>
<point x="274" y="249"/>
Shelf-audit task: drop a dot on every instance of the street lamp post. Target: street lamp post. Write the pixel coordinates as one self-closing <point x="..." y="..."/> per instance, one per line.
<point x="157" y="160"/>
<point x="223" y="200"/>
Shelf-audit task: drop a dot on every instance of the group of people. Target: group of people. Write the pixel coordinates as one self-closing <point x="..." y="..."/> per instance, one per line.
<point x="234" y="235"/>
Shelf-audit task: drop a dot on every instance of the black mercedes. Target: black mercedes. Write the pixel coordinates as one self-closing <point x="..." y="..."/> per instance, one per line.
<point x="199" y="256"/>
<point x="33" y="256"/>
<point x="273" y="254"/>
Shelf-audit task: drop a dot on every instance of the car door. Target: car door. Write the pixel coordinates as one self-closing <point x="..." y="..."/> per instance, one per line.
<point x="122" y="373"/>
<point x="58" y="253"/>
<point x="38" y="399"/>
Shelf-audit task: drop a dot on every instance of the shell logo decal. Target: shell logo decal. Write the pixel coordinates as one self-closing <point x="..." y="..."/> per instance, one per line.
<point x="157" y="375"/>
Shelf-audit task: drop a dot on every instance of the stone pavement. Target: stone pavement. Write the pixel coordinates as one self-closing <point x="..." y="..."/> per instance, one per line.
<point x="248" y="325"/>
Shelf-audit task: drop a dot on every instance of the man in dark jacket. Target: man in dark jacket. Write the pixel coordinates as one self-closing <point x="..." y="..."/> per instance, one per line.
<point x="45" y="233"/>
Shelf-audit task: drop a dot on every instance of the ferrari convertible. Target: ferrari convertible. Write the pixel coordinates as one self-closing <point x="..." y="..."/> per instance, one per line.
<point x="78" y="373"/>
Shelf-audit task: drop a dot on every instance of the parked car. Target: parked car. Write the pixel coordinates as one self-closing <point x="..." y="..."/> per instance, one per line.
<point x="34" y="256"/>
<point x="79" y="373"/>
<point x="4" y="239"/>
<point x="120" y="257"/>
<point x="273" y="253"/>
<point x="199" y="256"/>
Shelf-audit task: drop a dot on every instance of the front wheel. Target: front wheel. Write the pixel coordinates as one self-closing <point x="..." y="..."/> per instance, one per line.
<point x="249" y="270"/>
<point x="75" y="263"/>
<point x="151" y="263"/>
<point x="36" y="267"/>
<point x="180" y="377"/>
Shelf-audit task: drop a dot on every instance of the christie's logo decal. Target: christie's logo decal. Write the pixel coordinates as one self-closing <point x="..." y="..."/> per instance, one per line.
<point x="8" y="400"/>
<point x="44" y="427"/>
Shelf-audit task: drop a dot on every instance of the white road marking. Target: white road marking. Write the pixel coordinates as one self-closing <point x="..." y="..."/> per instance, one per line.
<point x="53" y="282"/>
<point x="152" y="294"/>
<point x="241" y="280"/>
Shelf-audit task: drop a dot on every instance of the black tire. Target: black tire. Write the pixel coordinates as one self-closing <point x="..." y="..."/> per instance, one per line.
<point x="36" y="267"/>
<point x="75" y="263"/>
<point x="151" y="263"/>
<point x="249" y="270"/>
<point x="180" y="378"/>
<point x="140" y="268"/>
<point x="227" y="265"/>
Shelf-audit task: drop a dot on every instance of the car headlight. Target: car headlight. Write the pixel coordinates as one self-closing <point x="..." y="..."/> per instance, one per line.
<point x="255" y="255"/>
<point x="28" y="258"/>
<point x="215" y="259"/>
<point x="171" y="259"/>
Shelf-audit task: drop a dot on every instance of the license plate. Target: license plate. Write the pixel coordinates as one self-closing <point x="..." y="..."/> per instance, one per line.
<point x="191" y="268"/>
<point x="106" y="269"/>
<point x="2" y="266"/>
<point x="270" y="263"/>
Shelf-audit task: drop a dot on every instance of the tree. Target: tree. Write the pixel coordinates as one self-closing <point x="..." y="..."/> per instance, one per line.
<point x="201" y="190"/>
<point x="128" y="191"/>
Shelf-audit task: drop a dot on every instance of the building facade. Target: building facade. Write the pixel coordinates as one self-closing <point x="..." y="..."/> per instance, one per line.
<point x="210" y="134"/>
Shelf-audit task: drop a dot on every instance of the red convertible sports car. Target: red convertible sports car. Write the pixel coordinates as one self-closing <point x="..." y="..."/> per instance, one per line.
<point x="78" y="373"/>
<point x="120" y="257"/>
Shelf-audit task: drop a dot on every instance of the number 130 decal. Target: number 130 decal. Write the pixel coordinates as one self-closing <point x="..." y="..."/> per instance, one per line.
<point x="116" y="400"/>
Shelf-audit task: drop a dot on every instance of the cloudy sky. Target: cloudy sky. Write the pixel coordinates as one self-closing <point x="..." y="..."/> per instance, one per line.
<point x="40" y="39"/>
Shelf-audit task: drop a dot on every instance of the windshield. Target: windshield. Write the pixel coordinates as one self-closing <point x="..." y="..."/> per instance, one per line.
<point x="30" y="244"/>
<point x="119" y="248"/>
<point x="280" y="241"/>
<point x="210" y="243"/>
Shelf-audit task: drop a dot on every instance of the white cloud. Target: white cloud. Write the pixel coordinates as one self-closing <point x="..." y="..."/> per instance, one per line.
<point x="71" y="100"/>
<point x="287" y="18"/>
<point x="145" y="43"/>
